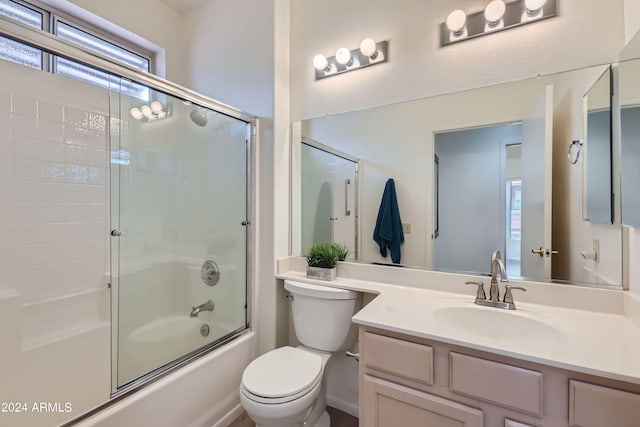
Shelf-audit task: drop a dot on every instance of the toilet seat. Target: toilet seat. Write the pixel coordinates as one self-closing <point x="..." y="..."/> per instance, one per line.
<point x="282" y="375"/>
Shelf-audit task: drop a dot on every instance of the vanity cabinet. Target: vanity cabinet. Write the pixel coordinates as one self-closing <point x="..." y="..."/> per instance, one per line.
<point x="411" y="381"/>
<point x="388" y="404"/>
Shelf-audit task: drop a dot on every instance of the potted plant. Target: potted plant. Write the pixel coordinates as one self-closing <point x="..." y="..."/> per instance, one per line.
<point x="322" y="259"/>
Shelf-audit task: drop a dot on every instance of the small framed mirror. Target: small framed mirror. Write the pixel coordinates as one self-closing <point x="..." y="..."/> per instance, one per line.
<point x="629" y="95"/>
<point x="597" y="190"/>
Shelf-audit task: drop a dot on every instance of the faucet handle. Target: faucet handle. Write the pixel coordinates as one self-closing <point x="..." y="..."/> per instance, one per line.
<point x="508" y="297"/>
<point x="480" y="295"/>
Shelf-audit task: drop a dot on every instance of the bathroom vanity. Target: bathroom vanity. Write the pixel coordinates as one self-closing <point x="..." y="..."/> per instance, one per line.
<point x="565" y="357"/>
<point x="405" y="380"/>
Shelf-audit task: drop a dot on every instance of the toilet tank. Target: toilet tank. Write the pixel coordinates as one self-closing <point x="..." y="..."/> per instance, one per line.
<point x="322" y="315"/>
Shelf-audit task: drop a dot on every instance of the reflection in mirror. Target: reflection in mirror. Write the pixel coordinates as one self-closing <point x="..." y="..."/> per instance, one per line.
<point x="476" y="168"/>
<point x="629" y="84"/>
<point x="534" y="220"/>
<point x="329" y="208"/>
<point x="598" y="185"/>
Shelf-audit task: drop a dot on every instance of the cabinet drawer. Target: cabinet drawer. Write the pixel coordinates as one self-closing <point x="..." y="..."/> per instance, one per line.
<point x="513" y="423"/>
<point x="596" y="406"/>
<point x="504" y="385"/>
<point x="401" y="358"/>
<point x="386" y="404"/>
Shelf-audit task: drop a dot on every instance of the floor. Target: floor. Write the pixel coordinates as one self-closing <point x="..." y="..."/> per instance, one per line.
<point x="338" y="419"/>
<point x="341" y="419"/>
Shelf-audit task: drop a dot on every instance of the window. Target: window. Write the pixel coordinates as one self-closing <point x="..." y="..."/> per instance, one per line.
<point x="69" y="30"/>
<point x="15" y="51"/>
<point x="514" y="208"/>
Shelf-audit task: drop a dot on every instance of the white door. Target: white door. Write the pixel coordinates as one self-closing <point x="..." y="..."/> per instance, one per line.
<point x="537" y="135"/>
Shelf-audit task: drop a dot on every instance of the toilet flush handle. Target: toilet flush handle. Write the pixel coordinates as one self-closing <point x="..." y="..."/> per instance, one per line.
<point x="353" y="355"/>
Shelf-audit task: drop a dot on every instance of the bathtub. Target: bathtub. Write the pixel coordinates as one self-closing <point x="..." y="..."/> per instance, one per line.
<point x="165" y="339"/>
<point x="202" y="393"/>
<point x="152" y="318"/>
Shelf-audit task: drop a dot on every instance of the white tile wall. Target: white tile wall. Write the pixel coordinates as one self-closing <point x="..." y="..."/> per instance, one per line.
<point x="53" y="237"/>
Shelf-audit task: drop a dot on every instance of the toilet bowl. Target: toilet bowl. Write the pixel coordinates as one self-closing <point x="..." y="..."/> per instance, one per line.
<point x="285" y="387"/>
<point x="281" y="386"/>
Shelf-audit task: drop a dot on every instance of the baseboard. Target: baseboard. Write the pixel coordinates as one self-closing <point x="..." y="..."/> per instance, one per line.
<point x="230" y="417"/>
<point x="340" y="404"/>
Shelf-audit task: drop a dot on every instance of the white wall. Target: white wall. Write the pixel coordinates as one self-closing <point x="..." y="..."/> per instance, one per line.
<point x="631" y="19"/>
<point x="230" y="53"/>
<point x="418" y="67"/>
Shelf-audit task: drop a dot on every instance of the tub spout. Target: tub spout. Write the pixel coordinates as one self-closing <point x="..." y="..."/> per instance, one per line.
<point x="207" y="306"/>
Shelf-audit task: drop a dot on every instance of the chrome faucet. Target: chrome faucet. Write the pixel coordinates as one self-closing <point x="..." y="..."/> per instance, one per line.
<point x="207" y="306"/>
<point x="494" y="292"/>
<point x="497" y="264"/>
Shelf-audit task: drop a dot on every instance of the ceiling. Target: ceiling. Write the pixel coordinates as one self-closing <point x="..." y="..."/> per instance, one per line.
<point x="184" y="5"/>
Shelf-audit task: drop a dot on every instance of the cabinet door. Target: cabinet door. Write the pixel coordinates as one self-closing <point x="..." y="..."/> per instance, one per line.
<point x="597" y="406"/>
<point x="513" y="423"/>
<point x="386" y="404"/>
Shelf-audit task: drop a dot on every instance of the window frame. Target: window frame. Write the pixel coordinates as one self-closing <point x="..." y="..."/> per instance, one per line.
<point x="50" y="18"/>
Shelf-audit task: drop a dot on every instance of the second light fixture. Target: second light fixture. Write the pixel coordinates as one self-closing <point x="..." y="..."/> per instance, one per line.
<point x="370" y="52"/>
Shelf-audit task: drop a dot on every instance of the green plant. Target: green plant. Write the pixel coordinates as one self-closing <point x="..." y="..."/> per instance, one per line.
<point x="326" y="255"/>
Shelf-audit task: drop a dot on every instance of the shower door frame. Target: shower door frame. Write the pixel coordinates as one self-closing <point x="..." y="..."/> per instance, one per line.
<point x="51" y="44"/>
<point x="157" y="373"/>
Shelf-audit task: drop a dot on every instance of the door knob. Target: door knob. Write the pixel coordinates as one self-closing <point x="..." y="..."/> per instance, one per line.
<point x="539" y="251"/>
<point x="544" y="252"/>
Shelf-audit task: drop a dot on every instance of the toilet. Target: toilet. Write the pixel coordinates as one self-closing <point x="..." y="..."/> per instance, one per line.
<point x="285" y="387"/>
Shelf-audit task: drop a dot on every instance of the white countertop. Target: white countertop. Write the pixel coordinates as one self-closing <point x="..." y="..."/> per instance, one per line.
<point x="604" y="343"/>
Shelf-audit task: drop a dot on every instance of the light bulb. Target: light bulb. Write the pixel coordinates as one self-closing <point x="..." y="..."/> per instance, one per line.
<point x="456" y="21"/>
<point x="136" y="113"/>
<point x="368" y="48"/>
<point x="494" y="12"/>
<point x="156" y="107"/>
<point x="343" y="56"/>
<point x="146" y="110"/>
<point x="533" y="7"/>
<point x="320" y="62"/>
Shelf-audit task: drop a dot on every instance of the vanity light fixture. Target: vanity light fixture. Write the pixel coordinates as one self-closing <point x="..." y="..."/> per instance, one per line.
<point x="150" y="112"/>
<point x="493" y="14"/>
<point x="343" y="57"/>
<point x="497" y="15"/>
<point x="533" y="8"/>
<point x="370" y="52"/>
<point x="456" y="23"/>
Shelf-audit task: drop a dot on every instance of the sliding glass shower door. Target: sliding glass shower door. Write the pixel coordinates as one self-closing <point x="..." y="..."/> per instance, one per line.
<point x="178" y="229"/>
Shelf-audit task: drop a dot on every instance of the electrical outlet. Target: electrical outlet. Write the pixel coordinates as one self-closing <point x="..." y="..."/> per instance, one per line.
<point x="406" y="228"/>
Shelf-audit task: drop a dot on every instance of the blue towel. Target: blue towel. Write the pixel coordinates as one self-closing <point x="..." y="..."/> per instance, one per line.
<point x="388" y="231"/>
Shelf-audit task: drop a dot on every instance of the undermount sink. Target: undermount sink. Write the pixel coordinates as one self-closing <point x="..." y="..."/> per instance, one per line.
<point x="496" y="324"/>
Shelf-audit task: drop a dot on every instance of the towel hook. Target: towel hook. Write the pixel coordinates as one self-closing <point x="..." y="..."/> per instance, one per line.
<point x="574" y="151"/>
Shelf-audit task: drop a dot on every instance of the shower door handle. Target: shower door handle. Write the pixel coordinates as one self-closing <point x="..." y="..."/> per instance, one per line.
<point x="347" y="211"/>
<point x="116" y="233"/>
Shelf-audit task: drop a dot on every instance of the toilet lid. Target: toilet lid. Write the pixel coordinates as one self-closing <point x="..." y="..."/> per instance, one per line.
<point x="282" y="372"/>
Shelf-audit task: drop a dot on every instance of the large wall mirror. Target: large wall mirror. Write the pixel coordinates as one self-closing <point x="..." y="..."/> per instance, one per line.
<point x="501" y="179"/>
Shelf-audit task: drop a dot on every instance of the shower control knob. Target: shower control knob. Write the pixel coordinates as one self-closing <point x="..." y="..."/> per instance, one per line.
<point x="116" y="233"/>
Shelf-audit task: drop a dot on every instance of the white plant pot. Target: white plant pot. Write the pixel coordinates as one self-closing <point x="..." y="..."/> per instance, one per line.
<point x="321" y="273"/>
